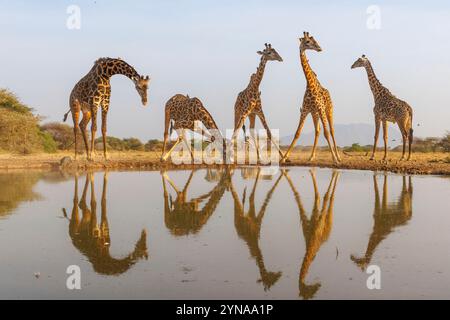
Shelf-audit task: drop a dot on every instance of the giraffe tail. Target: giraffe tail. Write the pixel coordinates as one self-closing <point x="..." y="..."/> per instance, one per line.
<point x="66" y="114"/>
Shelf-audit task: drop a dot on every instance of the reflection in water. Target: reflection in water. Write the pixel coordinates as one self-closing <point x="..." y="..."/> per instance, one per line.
<point x="386" y="217"/>
<point x="15" y="188"/>
<point x="92" y="239"/>
<point x="248" y="224"/>
<point x="184" y="216"/>
<point x="316" y="229"/>
<point x="253" y="193"/>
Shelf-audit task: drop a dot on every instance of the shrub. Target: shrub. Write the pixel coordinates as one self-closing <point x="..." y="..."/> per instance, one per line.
<point x="153" y="145"/>
<point x="133" y="144"/>
<point x="355" y="147"/>
<point x="19" y="132"/>
<point x="445" y="142"/>
<point x="19" y="128"/>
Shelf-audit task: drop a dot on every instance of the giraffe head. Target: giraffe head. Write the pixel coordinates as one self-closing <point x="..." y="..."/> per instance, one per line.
<point x="361" y="62"/>
<point x="270" y="53"/>
<point x="309" y="43"/>
<point x="141" y="84"/>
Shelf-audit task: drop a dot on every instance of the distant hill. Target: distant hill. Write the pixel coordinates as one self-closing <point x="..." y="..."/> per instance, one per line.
<point x="347" y="134"/>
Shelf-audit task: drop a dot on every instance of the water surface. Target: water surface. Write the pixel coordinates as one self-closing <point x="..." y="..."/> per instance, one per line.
<point x="250" y="233"/>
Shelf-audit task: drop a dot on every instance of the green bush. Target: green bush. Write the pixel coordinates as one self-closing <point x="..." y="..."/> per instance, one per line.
<point x="48" y="144"/>
<point x="133" y="144"/>
<point x="357" y="148"/>
<point x="445" y="142"/>
<point x="19" y="128"/>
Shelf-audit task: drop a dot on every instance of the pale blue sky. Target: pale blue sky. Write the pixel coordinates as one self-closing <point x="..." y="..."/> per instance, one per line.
<point x="208" y="49"/>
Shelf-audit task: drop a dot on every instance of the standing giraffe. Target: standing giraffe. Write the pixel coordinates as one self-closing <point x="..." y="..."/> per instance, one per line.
<point x="387" y="108"/>
<point x="93" y="91"/>
<point x="248" y="102"/>
<point x="316" y="101"/>
<point x="181" y="114"/>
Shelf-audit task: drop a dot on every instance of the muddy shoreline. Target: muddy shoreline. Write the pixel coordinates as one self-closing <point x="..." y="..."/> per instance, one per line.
<point x="436" y="164"/>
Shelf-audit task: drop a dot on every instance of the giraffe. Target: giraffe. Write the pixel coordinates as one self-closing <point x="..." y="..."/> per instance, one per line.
<point x="93" y="239"/>
<point x="317" y="101"/>
<point x="316" y="229"/>
<point x="248" y="225"/>
<point x="248" y="102"/>
<point x="183" y="216"/>
<point x="387" y="108"/>
<point x="181" y="113"/>
<point x="94" y="91"/>
<point x="386" y="217"/>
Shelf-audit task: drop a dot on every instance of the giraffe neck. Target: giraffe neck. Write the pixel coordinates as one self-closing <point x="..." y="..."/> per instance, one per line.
<point x="256" y="78"/>
<point x="375" y="85"/>
<point x="311" y="79"/>
<point x="107" y="67"/>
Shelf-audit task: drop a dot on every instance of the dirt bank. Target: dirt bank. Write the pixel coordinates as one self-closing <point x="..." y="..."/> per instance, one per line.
<point x="421" y="163"/>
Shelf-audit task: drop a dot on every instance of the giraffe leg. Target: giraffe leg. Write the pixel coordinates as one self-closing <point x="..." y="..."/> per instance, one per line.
<point x="297" y="135"/>
<point x="331" y="124"/>
<point x="404" y="138"/>
<point x="410" y="141"/>
<point x="76" y="119"/>
<point x="323" y="118"/>
<point x="238" y="125"/>
<point x="104" y="117"/>
<point x="316" y="137"/>
<point x="93" y="130"/>
<point x="385" y="138"/>
<point x="166" y="133"/>
<point x="83" y="125"/>
<point x="377" y="132"/>
<point x="252" y="118"/>
<point x="187" y="143"/>
<point x="262" y="118"/>
<point x="165" y="156"/>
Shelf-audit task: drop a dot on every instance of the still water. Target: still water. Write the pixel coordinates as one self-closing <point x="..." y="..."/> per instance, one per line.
<point x="250" y="233"/>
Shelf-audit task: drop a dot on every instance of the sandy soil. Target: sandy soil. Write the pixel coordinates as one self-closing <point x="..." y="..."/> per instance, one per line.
<point x="421" y="163"/>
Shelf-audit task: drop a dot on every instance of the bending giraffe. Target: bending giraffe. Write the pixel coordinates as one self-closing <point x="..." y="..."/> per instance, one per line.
<point x="316" y="229"/>
<point x="387" y="108"/>
<point x="94" y="91"/>
<point x="248" y="102"/>
<point x="386" y="217"/>
<point x="316" y="101"/>
<point x="93" y="239"/>
<point x="181" y="114"/>
<point x="184" y="216"/>
<point x="248" y="226"/>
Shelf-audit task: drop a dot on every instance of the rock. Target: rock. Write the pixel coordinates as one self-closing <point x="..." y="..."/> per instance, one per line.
<point x="65" y="161"/>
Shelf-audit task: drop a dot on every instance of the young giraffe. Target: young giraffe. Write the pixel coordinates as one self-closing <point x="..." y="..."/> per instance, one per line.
<point x="181" y="114"/>
<point x="387" y="108"/>
<point x="316" y="101"/>
<point x="93" y="91"/>
<point x="248" y="102"/>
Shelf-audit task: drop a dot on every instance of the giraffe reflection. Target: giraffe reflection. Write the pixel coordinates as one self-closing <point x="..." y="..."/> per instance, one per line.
<point x="248" y="224"/>
<point x="386" y="217"/>
<point x="316" y="229"/>
<point x="93" y="239"/>
<point x="184" y="216"/>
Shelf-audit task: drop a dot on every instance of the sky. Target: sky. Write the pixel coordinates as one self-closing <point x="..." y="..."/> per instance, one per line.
<point x="208" y="49"/>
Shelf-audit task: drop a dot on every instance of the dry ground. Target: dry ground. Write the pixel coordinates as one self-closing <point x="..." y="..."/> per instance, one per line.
<point x="421" y="163"/>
